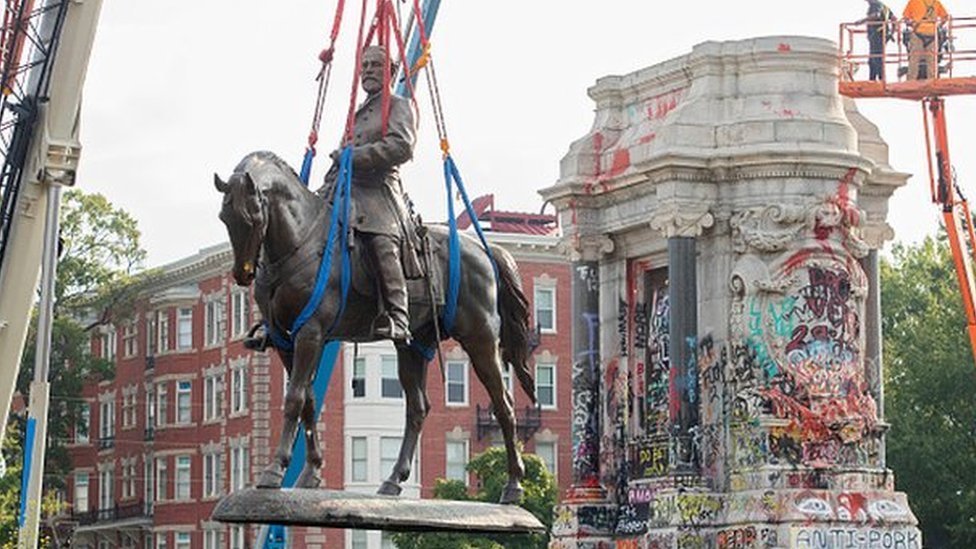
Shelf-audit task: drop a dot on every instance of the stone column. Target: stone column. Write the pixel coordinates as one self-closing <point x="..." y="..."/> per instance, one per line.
<point x="872" y="330"/>
<point x="683" y="386"/>
<point x="586" y="383"/>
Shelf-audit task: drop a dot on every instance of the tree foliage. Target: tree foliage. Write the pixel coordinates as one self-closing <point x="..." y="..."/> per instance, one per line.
<point x="930" y="391"/>
<point x="491" y="469"/>
<point x="96" y="284"/>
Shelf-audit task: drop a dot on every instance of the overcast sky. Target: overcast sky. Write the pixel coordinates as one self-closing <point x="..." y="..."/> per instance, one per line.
<point x="178" y="90"/>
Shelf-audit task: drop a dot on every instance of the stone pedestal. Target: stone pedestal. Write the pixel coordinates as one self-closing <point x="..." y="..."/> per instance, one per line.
<point x="744" y="202"/>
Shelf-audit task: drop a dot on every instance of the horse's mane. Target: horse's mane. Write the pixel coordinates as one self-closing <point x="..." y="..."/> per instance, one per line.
<point x="268" y="156"/>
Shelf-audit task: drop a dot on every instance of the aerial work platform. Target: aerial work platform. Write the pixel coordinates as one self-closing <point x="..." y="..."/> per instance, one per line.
<point x="953" y="51"/>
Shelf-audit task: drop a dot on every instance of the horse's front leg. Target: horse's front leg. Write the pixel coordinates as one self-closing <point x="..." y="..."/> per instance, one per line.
<point x="412" y="371"/>
<point x="310" y="476"/>
<point x="303" y="363"/>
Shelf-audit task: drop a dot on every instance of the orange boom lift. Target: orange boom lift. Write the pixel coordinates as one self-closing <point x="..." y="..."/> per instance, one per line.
<point x="944" y="80"/>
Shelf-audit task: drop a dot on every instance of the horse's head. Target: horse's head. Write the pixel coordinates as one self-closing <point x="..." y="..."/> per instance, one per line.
<point x="245" y="213"/>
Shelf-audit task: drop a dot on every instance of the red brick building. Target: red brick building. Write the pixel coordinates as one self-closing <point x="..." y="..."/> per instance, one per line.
<point x="192" y="415"/>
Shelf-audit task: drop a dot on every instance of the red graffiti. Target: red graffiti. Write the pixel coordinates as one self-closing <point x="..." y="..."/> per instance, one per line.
<point x="784" y="47"/>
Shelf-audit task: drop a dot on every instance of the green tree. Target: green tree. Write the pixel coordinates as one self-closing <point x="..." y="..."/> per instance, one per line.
<point x="96" y="284"/>
<point x="930" y="391"/>
<point x="491" y="469"/>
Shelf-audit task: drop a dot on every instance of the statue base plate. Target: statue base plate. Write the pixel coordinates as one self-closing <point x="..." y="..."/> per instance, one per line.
<point x="338" y="509"/>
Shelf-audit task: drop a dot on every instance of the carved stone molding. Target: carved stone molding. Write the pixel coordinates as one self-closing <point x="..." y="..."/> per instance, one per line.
<point x="682" y="219"/>
<point x="875" y="234"/>
<point x="586" y="247"/>
<point x="775" y="228"/>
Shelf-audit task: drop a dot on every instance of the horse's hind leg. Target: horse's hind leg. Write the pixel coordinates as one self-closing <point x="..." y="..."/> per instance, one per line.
<point x="412" y="370"/>
<point x="487" y="365"/>
<point x="310" y="476"/>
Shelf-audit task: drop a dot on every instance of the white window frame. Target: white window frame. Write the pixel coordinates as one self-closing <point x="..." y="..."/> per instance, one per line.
<point x="239" y="467"/>
<point x="212" y="462"/>
<point x="184" y="402"/>
<point x="552" y="366"/>
<point x="184" y="328"/>
<point x="551" y="290"/>
<point x="215" y="322"/>
<point x="109" y="343"/>
<point x="162" y="403"/>
<point x="507" y="378"/>
<point x="466" y="449"/>
<point x="182" y="485"/>
<point x="149" y="482"/>
<point x="130" y="342"/>
<point x="106" y="419"/>
<point x="237" y="537"/>
<point x="240" y="312"/>
<point x="359" y="456"/>
<point x="162" y="478"/>
<point x="162" y="331"/>
<point x="182" y="540"/>
<point x="161" y="541"/>
<point x="554" y="465"/>
<point x="358" y="374"/>
<point x="238" y="389"/>
<point x="106" y="489"/>
<point x="388" y="445"/>
<point x="213" y="397"/>
<point x="213" y="539"/>
<point x="128" y="479"/>
<point x="385" y="362"/>
<point x="358" y="539"/>
<point x="83" y="426"/>
<point x="128" y="410"/>
<point x="82" y="494"/>
<point x="451" y="368"/>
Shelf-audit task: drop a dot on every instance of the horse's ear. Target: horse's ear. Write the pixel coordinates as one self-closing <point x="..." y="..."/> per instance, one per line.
<point x="221" y="185"/>
<point x="249" y="183"/>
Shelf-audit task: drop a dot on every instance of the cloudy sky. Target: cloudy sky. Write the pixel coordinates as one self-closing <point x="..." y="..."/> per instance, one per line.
<point x="178" y="90"/>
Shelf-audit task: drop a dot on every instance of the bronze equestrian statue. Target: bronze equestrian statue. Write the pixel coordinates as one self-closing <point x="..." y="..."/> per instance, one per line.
<point x="278" y="229"/>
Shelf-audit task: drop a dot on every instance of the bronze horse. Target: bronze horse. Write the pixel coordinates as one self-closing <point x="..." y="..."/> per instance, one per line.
<point x="278" y="229"/>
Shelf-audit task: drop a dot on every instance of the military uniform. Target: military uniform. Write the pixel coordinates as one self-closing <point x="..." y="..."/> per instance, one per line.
<point x="378" y="208"/>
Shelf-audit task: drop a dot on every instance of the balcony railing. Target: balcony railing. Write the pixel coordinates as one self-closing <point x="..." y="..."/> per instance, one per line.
<point x="104" y="443"/>
<point x="118" y="512"/>
<point x="527" y="421"/>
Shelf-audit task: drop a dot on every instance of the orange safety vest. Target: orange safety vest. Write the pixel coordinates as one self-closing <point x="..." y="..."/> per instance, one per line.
<point x="924" y="14"/>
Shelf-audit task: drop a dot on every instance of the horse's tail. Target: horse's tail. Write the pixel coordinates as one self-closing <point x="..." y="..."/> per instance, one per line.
<point x="514" y="310"/>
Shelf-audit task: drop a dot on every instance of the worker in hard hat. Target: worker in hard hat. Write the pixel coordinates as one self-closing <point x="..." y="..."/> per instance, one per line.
<point x="923" y="18"/>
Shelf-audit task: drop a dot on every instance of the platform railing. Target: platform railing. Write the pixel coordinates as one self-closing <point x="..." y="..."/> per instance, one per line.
<point x="956" y="46"/>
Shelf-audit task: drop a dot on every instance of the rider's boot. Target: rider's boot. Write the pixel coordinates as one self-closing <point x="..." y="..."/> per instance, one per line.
<point x="395" y="323"/>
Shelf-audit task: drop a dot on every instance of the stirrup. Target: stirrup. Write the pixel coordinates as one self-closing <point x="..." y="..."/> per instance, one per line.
<point x="257" y="343"/>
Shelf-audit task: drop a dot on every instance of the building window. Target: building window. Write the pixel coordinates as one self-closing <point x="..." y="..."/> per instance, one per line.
<point x="213" y="397"/>
<point x="457" y="383"/>
<point x="182" y="489"/>
<point x="359" y="377"/>
<point x="215" y="327"/>
<point x="457" y="461"/>
<point x="81" y="492"/>
<point x="213" y="539"/>
<point x="106" y="491"/>
<point x="547" y="451"/>
<point x="184" y="328"/>
<point x="390" y="383"/>
<point x="182" y="540"/>
<point x="130" y="346"/>
<point x="106" y="420"/>
<point x="211" y="475"/>
<point x="128" y="479"/>
<point x="359" y="464"/>
<point x="150" y="407"/>
<point x="507" y="378"/>
<point x="389" y="452"/>
<point x="148" y="483"/>
<point x="162" y="404"/>
<point x="161" y="540"/>
<point x="239" y="467"/>
<point x="545" y="309"/>
<point x="240" y="305"/>
<point x="545" y="385"/>
<point x="108" y="344"/>
<point x="161" y="479"/>
<point x="184" y="402"/>
<point x="237" y="537"/>
<point x="83" y="426"/>
<point x="162" y="331"/>
<point x="129" y="410"/>
<point x="358" y="539"/>
<point x="238" y="390"/>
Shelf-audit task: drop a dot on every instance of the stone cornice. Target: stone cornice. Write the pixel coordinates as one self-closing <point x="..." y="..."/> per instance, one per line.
<point x="682" y="219"/>
<point x="587" y="247"/>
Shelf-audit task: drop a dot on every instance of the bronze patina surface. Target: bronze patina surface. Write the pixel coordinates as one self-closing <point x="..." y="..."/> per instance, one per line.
<point x="338" y="509"/>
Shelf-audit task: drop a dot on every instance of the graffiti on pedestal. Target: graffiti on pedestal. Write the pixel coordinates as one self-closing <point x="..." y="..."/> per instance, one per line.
<point x="658" y="362"/>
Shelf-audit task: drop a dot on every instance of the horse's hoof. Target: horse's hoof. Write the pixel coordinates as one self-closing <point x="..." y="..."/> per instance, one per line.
<point x="269" y="479"/>
<point x="389" y="488"/>
<point x="309" y="478"/>
<point x="512" y="495"/>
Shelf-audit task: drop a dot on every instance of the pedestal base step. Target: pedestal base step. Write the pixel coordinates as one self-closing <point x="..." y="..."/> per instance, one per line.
<point x="337" y="509"/>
